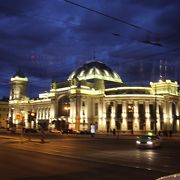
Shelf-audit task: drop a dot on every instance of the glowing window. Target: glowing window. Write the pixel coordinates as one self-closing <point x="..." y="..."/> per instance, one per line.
<point x="71" y="76"/>
<point x="82" y="73"/>
<point x="106" y="72"/>
<point x="116" y="75"/>
<point x="97" y="70"/>
<point x="91" y="71"/>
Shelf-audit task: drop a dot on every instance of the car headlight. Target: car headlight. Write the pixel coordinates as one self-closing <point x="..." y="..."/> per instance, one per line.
<point x="138" y="142"/>
<point x="149" y="142"/>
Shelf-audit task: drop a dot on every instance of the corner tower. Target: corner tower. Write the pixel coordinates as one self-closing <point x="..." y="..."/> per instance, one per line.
<point x="18" y="86"/>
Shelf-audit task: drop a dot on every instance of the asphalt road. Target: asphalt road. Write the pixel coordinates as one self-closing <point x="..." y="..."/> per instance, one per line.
<point x="83" y="157"/>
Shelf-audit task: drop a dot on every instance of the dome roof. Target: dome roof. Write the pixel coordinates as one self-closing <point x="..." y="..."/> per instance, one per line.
<point x="20" y="74"/>
<point x="95" y="70"/>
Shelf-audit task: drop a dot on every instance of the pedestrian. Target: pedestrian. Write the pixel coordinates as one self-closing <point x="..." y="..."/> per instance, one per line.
<point x="170" y="133"/>
<point x="42" y="134"/>
<point x="107" y="131"/>
<point x="114" y="132"/>
<point x="93" y="130"/>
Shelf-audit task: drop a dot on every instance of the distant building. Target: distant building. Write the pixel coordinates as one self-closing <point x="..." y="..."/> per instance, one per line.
<point x="95" y="94"/>
<point x="4" y="109"/>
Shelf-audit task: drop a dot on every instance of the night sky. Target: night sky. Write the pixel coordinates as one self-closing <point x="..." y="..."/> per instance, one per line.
<point x="48" y="39"/>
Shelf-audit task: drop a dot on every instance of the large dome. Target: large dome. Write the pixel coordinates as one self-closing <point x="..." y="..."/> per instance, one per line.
<point x="95" y="70"/>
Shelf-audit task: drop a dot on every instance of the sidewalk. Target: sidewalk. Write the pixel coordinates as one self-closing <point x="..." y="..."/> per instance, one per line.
<point x="53" y="136"/>
<point x="134" y="136"/>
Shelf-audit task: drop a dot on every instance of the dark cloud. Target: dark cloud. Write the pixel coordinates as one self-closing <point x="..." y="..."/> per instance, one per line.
<point x="48" y="40"/>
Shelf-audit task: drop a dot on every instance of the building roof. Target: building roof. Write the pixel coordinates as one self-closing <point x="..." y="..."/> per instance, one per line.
<point x="95" y="70"/>
<point x="20" y="74"/>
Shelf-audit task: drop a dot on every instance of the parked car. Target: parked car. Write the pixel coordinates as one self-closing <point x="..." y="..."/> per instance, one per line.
<point x="67" y="131"/>
<point x="85" y="132"/>
<point x="170" y="177"/>
<point x="30" y="130"/>
<point x="55" y="131"/>
<point x="148" y="141"/>
<point x="76" y="132"/>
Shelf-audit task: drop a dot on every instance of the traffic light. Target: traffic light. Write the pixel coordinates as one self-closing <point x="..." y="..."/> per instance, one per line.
<point x="31" y="116"/>
<point x="176" y="117"/>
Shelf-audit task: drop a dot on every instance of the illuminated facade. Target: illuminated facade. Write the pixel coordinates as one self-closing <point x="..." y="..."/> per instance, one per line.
<point x="4" y="108"/>
<point x="95" y="94"/>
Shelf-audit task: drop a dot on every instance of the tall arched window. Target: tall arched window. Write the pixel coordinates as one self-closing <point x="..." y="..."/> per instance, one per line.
<point x="63" y="106"/>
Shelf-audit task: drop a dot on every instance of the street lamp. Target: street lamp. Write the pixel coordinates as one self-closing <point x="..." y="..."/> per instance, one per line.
<point x="66" y="108"/>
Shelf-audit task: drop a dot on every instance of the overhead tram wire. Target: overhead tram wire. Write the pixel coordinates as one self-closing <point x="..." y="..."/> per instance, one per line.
<point x="22" y="12"/>
<point x="151" y="43"/>
<point x="111" y="17"/>
<point x="153" y="55"/>
<point x="121" y="21"/>
<point x="154" y="43"/>
<point x="133" y="49"/>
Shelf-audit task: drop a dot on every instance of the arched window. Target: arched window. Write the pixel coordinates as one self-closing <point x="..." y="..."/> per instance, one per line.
<point x="63" y="106"/>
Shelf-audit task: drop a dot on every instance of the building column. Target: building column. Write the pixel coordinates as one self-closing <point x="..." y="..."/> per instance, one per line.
<point x="50" y="120"/>
<point x="26" y="119"/>
<point x="101" y="118"/>
<point x="43" y="113"/>
<point x="113" y="113"/>
<point x="124" y="116"/>
<point x="78" y="109"/>
<point x="170" y="116"/>
<point x="158" y="122"/>
<point x="37" y="113"/>
<point x="104" y="128"/>
<point x="147" y="116"/>
<point x="177" y="114"/>
<point x="165" y="116"/>
<point x="72" y="116"/>
<point x="136" y="117"/>
<point x="11" y="116"/>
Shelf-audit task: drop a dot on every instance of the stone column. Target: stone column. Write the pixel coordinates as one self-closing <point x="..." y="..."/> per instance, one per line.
<point x="113" y="113"/>
<point x="43" y="113"/>
<point x="101" y="118"/>
<point x="104" y="119"/>
<point x="147" y="115"/>
<point x="170" y="116"/>
<point x="26" y="119"/>
<point x="124" y="116"/>
<point x="165" y="116"/>
<point x="73" y="110"/>
<point x="177" y="114"/>
<point x="78" y="109"/>
<point x="157" y="117"/>
<point x="136" y="117"/>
